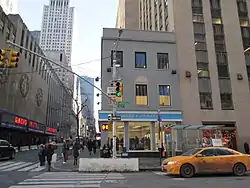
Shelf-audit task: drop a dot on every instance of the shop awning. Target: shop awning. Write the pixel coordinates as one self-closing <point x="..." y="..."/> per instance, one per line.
<point x="195" y="127"/>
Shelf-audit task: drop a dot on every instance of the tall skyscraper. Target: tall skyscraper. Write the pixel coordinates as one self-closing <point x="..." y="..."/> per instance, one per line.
<point x="36" y="34"/>
<point x="8" y="6"/>
<point x="57" y="27"/>
<point x="88" y="91"/>
<point x="127" y="14"/>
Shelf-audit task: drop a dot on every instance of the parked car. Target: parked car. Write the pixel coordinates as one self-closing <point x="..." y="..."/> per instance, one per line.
<point x="7" y="151"/>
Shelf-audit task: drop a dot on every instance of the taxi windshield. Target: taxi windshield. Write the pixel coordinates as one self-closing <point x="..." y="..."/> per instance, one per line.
<point x="191" y="152"/>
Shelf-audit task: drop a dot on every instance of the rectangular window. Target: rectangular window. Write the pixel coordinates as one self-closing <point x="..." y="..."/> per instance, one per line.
<point x="140" y="60"/>
<point x="119" y="58"/>
<point x="226" y="101"/>
<point x="199" y="28"/>
<point x="164" y="95"/>
<point x="202" y="70"/>
<point x="162" y="61"/>
<point x="141" y="94"/>
<point x="223" y="71"/>
<point x="206" y="101"/>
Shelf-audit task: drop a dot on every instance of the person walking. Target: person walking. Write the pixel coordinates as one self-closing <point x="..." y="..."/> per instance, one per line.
<point x="41" y="155"/>
<point x="94" y="146"/>
<point x="75" y="152"/>
<point x="90" y="146"/>
<point x="49" y="153"/>
<point x="246" y="147"/>
<point x="64" y="152"/>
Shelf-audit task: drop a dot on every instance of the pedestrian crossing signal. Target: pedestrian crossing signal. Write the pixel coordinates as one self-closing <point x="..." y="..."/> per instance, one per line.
<point x="105" y="127"/>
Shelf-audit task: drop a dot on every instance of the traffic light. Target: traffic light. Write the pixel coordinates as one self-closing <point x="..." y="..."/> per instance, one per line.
<point x="118" y="86"/>
<point x="2" y="58"/>
<point x="105" y="127"/>
<point x="13" y="59"/>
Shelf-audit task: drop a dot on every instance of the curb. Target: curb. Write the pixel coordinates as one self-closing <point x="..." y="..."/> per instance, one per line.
<point x="154" y="169"/>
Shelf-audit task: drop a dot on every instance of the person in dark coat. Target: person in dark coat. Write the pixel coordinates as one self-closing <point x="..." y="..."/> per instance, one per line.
<point x="76" y="152"/>
<point x="41" y="155"/>
<point x="246" y="147"/>
<point x="64" y="151"/>
<point x="90" y="146"/>
<point x="94" y="146"/>
<point x="49" y="153"/>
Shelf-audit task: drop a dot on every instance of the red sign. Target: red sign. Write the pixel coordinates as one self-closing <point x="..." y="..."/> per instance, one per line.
<point x="20" y="121"/>
<point x="33" y="124"/>
<point x="52" y="130"/>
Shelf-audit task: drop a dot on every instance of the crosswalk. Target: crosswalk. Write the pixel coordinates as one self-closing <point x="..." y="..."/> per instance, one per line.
<point x="167" y="175"/>
<point x="20" y="166"/>
<point x="69" y="180"/>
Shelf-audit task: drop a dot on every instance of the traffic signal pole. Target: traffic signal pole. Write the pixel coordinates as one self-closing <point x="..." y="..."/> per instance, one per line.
<point x="114" y="104"/>
<point x="59" y="65"/>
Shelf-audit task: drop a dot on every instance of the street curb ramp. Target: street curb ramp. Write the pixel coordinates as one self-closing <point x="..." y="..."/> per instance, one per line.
<point x="108" y="165"/>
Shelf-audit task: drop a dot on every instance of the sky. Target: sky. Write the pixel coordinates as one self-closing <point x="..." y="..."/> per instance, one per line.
<point x="90" y="17"/>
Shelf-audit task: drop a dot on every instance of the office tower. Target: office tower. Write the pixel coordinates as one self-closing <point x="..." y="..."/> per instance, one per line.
<point x="57" y="27"/>
<point x="8" y="6"/>
<point x="87" y="91"/>
<point x="127" y="14"/>
<point x="212" y="38"/>
<point x="36" y="34"/>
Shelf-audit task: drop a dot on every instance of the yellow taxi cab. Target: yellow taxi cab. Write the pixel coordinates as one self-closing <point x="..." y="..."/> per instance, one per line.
<point x="207" y="160"/>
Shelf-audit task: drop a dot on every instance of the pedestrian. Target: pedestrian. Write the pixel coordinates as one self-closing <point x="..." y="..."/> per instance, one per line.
<point x="76" y="152"/>
<point x="41" y="155"/>
<point x="246" y="147"/>
<point x="94" y="146"/>
<point x="106" y="151"/>
<point x="49" y="153"/>
<point x="64" y="152"/>
<point x="90" y="146"/>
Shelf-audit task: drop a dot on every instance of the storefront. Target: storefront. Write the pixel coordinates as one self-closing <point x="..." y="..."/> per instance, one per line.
<point x="22" y="131"/>
<point x="138" y="130"/>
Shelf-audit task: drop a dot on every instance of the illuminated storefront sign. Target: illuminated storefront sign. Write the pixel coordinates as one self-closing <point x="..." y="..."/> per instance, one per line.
<point x="20" y="121"/>
<point x="51" y="130"/>
<point x="36" y="127"/>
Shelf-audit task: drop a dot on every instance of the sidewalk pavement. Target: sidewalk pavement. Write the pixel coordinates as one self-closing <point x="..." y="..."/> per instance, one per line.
<point x="69" y="165"/>
<point x="145" y="164"/>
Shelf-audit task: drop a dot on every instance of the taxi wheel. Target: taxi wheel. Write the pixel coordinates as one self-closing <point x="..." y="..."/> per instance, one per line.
<point x="239" y="169"/>
<point x="187" y="171"/>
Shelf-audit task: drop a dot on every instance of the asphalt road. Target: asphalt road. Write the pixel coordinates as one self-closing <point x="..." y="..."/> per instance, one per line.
<point x="24" y="166"/>
<point x="151" y="179"/>
<point x="120" y="180"/>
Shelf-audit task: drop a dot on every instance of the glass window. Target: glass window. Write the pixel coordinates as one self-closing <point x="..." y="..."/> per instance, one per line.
<point x="191" y="152"/>
<point x="202" y="70"/>
<point x="140" y="60"/>
<point x="119" y="135"/>
<point x="221" y="151"/>
<point x="141" y="97"/>
<point x="164" y="95"/>
<point x="206" y="101"/>
<point x="139" y="135"/>
<point x="162" y="61"/>
<point x="119" y="58"/>
<point x="208" y="153"/>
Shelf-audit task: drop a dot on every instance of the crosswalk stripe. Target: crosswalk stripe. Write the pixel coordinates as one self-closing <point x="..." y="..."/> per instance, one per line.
<point x="69" y="180"/>
<point x="5" y="163"/>
<point x="17" y="167"/>
<point x="11" y="165"/>
<point x="59" y="182"/>
<point x="56" y="186"/>
<point x="38" y="169"/>
<point x="29" y="167"/>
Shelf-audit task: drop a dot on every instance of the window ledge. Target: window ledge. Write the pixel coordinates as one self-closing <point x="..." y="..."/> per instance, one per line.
<point x="204" y="108"/>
